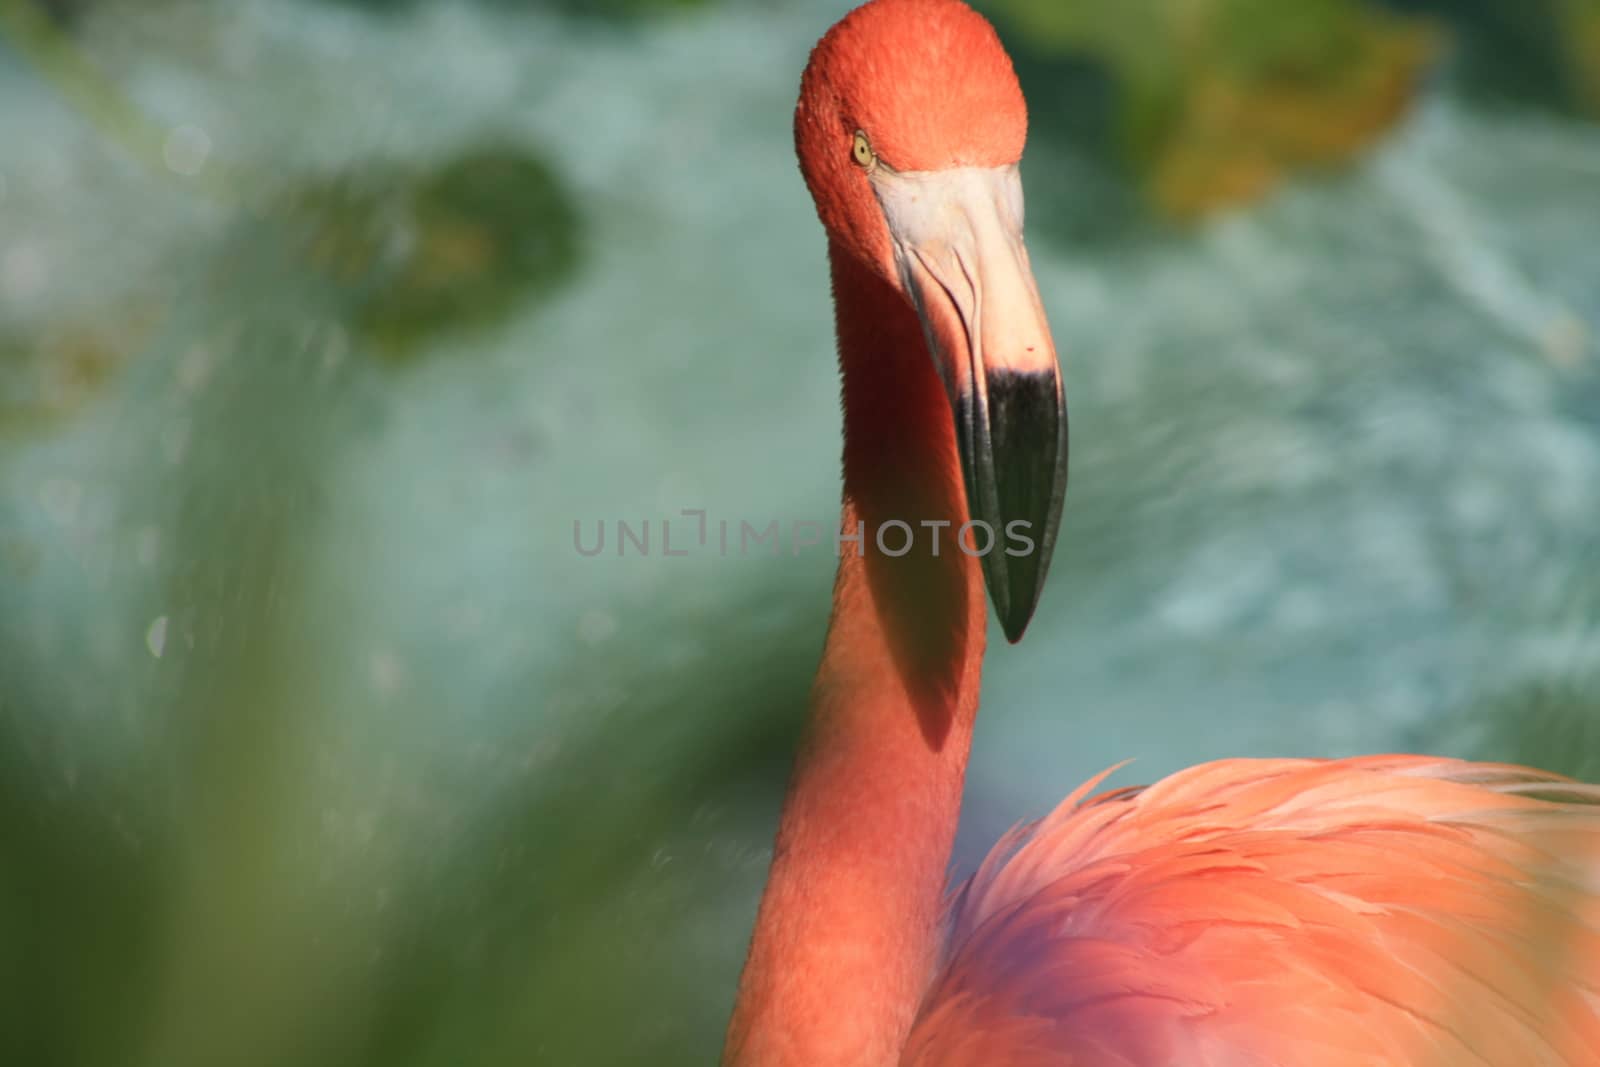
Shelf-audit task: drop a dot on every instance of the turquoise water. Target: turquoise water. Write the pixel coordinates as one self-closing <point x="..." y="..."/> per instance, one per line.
<point x="321" y="743"/>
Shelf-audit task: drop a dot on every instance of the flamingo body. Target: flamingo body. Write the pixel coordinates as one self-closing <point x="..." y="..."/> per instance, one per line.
<point x="1388" y="910"/>
<point x="1396" y="910"/>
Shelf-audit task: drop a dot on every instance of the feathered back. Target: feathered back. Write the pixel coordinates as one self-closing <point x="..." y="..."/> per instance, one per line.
<point x="1387" y="910"/>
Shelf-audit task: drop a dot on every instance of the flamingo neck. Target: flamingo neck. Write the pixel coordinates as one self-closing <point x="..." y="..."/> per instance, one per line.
<point x="849" y="928"/>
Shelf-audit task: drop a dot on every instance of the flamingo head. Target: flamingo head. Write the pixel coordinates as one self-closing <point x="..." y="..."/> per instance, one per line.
<point x="909" y="129"/>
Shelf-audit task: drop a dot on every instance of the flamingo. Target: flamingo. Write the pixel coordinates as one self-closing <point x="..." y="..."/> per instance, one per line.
<point x="1347" y="913"/>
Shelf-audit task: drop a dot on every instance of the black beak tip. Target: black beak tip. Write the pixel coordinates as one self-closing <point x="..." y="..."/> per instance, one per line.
<point x="1015" y="592"/>
<point x="1018" y="471"/>
<point x="1015" y="624"/>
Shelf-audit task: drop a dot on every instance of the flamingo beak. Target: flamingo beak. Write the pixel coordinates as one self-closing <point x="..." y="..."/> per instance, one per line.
<point x="957" y="237"/>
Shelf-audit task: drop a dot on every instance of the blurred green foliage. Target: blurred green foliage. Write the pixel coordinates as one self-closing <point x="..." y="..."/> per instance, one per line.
<point x="1581" y="32"/>
<point x="607" y="9"/>
<point x="49" y="374"/>
<point x="621" y="8"/>
<point x="1548" y="723"/>
<point x="456" y="246"/>
<point x="1222" y="99"/>
<point x="1541" y="51"/>
<point x="1217" y="101"/>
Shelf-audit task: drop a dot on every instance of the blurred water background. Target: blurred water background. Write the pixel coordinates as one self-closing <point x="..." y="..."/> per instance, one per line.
<point x="322" y="323"/>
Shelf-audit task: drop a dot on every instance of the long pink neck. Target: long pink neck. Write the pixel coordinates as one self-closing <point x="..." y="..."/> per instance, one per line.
<point x="849" y="928"/>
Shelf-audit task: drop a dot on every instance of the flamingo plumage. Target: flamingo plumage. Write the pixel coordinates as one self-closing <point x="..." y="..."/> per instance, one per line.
<point x="1388" y="910"/>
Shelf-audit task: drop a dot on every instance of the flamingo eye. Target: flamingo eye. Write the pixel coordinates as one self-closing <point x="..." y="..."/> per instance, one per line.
<point x="863" y="150"/>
